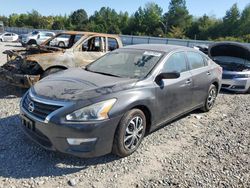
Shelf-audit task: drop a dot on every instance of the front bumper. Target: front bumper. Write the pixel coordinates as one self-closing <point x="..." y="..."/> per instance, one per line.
<point x="24" y="81"/>
<point x="240" y="85"/>
<point x="53" y="136"/>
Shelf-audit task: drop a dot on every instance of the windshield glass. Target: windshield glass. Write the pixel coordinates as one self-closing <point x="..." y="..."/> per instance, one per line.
<point x="126" y="63"/>
<point x="34" y="33"/>
<point x="64" y="40"/>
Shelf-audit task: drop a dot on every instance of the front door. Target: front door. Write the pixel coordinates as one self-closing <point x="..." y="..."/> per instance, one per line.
<point x="174" y="96"/>
<point x="92" y="49"/>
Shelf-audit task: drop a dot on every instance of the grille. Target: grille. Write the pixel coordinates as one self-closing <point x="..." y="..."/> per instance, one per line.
<point x="228" y="76"/>
<point x="40" y="110"/>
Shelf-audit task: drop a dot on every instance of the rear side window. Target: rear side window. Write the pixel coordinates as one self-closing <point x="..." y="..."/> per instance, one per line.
<point x="176" y="63"/>
<point x="112" y="44"/>
<point x="195" y="60"/>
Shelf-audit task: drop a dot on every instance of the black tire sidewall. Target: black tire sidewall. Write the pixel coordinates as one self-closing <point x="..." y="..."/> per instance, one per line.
<point x="118" y="146"/>
<point x="206" y="108"/>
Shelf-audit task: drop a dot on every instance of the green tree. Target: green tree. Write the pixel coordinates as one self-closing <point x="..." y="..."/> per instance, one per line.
<point x="178" y="15"/>
<point x="244" y="28"/>
<point x="231" y="21"/>
<point x="147" y="20"/>
<point x="105" y="20"/>
<point x="79" y="19"/>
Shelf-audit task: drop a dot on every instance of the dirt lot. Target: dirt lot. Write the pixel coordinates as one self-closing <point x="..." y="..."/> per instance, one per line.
<point x="198" y="150"/>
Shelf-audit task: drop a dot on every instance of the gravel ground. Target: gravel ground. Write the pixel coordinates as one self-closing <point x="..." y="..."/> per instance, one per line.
<point x="198" y="150"/>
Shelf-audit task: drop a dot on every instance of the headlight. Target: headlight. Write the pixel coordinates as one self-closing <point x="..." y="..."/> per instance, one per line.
<point x="95" y="112"/>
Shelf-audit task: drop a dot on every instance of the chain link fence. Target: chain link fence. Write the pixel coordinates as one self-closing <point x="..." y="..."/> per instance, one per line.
<point x="130" y="39"/>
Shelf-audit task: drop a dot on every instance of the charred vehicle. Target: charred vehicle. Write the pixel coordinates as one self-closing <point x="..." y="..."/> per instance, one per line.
<point x="68" y="49"/>
<point x="235" y="60"/>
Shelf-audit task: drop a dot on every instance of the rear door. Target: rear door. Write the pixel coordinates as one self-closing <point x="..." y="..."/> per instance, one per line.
<point x="201" y="77"/>
<point x="174" y="96"/>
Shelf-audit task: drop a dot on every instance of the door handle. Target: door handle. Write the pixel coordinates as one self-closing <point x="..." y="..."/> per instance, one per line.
<point x="188" y="82"/>
<point x="208" y="73"/>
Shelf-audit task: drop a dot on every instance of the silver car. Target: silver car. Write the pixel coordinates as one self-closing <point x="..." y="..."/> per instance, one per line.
<point x="235" y="60"/>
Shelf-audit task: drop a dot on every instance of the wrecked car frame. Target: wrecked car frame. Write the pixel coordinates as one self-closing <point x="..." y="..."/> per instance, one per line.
<point x="67" y="49"/>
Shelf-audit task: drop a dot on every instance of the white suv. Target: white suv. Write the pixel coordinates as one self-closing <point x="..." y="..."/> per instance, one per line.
<point x="36" y="37"/>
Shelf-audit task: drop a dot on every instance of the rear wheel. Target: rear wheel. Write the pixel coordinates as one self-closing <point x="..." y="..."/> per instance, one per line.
<point x="32" y="42"/>
<point x="129" y="133"/>
<point x="51" y="71"/>
<point x="211" y="98"/>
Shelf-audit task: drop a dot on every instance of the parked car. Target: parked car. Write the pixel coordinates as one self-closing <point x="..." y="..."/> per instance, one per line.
<point x="8" y="37"/>
<point x="25" y="67"/>
<point x="114" y="101"/>
<point x="235" y="60"/>
<point x="36" y="37"/>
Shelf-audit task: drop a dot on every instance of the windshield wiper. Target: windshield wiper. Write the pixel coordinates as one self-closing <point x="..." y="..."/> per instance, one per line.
<point x="103" y="73"/>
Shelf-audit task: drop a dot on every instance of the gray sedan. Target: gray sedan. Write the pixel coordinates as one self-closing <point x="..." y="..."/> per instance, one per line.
<point x="111" y="104"/>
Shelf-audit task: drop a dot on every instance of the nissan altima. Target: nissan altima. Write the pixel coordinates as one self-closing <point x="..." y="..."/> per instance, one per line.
<point x="112" y="103"/>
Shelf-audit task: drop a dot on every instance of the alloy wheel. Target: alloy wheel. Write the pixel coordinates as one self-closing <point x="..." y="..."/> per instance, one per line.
<point x="211" y="98"/>
<point x="133" y="133"/>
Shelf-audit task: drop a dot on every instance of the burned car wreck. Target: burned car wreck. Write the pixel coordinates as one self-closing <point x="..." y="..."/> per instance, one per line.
<point x="234" y="58"/>
<point x="68" y="49"/>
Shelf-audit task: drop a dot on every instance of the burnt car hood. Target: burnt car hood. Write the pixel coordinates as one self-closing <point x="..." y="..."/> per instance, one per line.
<point x="79" y="84"/>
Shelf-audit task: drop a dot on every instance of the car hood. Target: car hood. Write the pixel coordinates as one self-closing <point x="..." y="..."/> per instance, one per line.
<point x="78" y="84"/>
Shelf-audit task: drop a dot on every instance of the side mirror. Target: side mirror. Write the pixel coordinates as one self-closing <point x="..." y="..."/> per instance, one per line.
<point x="167" y="75"/>
<point x="38" y="36"/>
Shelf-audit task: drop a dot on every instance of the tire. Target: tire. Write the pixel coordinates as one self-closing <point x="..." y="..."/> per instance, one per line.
<point x="32" y="42"/>
<point x="126" y="130"/>
<point x="211" y="98"/>
<point x="61" y="44"/>
<point x="51" y="71"/>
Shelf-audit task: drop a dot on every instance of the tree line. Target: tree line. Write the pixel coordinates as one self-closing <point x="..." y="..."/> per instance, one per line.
<point x="149" y="20"/>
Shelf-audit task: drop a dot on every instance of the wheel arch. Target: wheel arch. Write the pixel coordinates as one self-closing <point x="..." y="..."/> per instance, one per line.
<point x="147" y="114"/>
<point x="56" y="67"/>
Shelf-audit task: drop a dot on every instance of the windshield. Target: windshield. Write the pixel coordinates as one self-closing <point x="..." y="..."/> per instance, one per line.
<point x="34" y="33"/>
<point x="126" y="63"/>
<point x="64" y="40"/>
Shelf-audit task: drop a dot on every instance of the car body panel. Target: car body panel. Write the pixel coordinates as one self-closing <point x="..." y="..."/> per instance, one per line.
<point x="74" y="89"/>
<point x="47" y="57"/>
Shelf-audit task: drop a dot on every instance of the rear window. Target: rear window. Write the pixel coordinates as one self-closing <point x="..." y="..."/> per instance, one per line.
<point x="195" y="60"/>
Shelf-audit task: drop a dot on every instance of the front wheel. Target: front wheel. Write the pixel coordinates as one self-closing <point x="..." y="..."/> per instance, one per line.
<point x="211" y="98"/>
<point x="129" y="133"/>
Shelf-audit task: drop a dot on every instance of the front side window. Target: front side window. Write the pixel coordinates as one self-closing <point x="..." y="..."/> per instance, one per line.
<point x="176" y="63"/>
<point x="93" y="44"/>
<point x="126" y="63"/>
<point x="195" y="60"/>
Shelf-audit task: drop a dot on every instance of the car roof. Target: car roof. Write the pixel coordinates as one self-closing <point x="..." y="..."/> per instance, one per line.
<point x="159" y="47"/>
<point x="87" y="33"/>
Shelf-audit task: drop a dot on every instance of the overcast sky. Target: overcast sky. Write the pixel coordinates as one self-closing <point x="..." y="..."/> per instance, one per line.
<point x="55" y="7"/>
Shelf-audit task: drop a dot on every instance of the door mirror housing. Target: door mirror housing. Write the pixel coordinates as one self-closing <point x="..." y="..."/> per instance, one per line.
<point x="38" y="36"/>
<point x="169" y="75"/>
